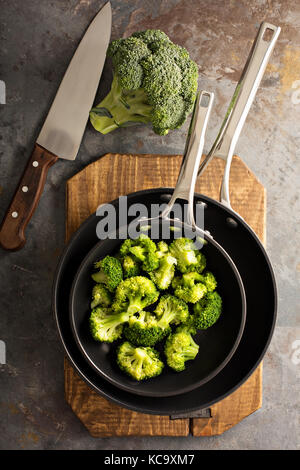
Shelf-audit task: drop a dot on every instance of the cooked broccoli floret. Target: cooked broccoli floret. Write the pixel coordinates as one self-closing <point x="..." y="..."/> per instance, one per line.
<point x="110" y="272"/>
<point x="180" y="347"/>
<point x="210" y="281"/>
<point x="106" y="325"/>
<point x="183" y="249"/>
<point x="163" y="276"/>
<point x="208" y="310"/>
<point x="140" y="363"/>
<point x="130" y="267"/>
<point x="155" y="81"/>
<point x="189" y="287"/>
<point x="143" y="329"/>
<point x="101" y="296"/>
<point x="143" y="250"/>
<point x="134" y="294"/>
<point x="162" y="249"/>
<point x="171" y="310"/>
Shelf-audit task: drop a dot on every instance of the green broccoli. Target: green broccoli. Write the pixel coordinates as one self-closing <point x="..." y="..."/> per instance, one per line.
<point x="140" y="363"/>
<point x="130" y="266"/>
<point x="208" y="310"/>
<point x="106" y="325"/>
<point x="171" y="310"/>
<point x="183" y="249"/>
<point x="143" y="250"/>
<point x="189" y="287"/>
<point x="163" y="276"/>
<point x="155" y="81"/>
<point x="143" y="329"/>
<point x="210" y="281"/>
<point x="180" y="347"/>
<point x="110" y="272"/>
<point x="162" y="249"/>
<point x="134" y="294"/>
<point x="101" y="296"/>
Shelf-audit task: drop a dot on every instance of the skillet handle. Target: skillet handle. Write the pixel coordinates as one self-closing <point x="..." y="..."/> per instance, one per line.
<point x="241" y="102"/>
<point x="185" y="186"/>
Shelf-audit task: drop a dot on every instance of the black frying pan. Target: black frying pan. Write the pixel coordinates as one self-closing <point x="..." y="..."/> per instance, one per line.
<point x="253" y="264"/>
<point x="216" y="344"/>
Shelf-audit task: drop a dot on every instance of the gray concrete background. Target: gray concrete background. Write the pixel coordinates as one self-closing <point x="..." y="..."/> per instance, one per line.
<point x="37" y="40"/>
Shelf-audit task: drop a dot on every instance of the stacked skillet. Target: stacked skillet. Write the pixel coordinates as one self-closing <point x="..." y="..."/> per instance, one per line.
<point x="233" y="235"/>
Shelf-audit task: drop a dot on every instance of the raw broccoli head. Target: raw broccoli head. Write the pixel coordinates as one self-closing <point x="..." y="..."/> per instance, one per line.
<point x="109" y="272"/>
<point x="188" y="258"/>
<point x="163" y="276"/>
<point x="140" y="363"/>
<point x="106" y="325"/>
<point x="180" y="347"/>
<point x="155" y="81"/>
<point x="130" y="267"/>
<point x="134" y="294"/>
<point x="101" y="296"/>
<point x="189" y="287"/>
<point x="143" y="251"/>
<point x="208" y="310"/>
<point x="143" y="329"/>
<point x="171" y="310"/>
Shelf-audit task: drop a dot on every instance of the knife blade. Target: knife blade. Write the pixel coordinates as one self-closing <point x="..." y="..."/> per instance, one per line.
<point x="63" y="129"/>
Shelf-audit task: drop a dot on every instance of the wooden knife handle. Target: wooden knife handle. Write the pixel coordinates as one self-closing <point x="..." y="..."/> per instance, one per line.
<point x="25" y="199"/>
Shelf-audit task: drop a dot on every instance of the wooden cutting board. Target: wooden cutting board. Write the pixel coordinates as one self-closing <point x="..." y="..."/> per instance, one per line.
<point x="106" y="179"/>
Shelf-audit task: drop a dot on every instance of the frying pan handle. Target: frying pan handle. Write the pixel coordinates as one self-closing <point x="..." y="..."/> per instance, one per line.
<point x="185" y="186"/>
<point x="241" y="102"/>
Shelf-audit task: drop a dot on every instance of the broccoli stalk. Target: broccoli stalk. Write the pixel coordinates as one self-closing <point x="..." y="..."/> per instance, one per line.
<point x="163" y="276"/>
<point x="119" y="108"/>
<point x="171" y="310"/>
<point x="105" y="325"/>
<point x="180" y="347"/>
<point x="155" y="81"/>
<point x="139" y="363"/>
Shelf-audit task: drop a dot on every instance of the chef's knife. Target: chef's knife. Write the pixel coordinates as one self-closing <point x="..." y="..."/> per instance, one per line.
<point x="62" y="132"/>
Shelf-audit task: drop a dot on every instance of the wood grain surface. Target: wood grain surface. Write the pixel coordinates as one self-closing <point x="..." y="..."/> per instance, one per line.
<point x="114" y="175"/>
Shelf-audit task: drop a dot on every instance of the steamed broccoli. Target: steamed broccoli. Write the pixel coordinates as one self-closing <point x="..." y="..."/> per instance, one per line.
<point x="180" y="347"/>
<point x="188" y="257"/>
<point x="140" y="363"/>
<point x="189" y="287"/>
<point x="130" y="267"/>
<point x="134" y="294"/>
<point x="110" y="272"/>
<point x="143" y="250"/>
<point x="105" y="325"/>
<point x="143" y="329"/>
<point x="208" y="310"/>
<point x="210" y="281"/>
<point x="171" y="310"/>
<point x="163" y="276"/>
<point x="155" y="81"/>
<point x="101" y="296"/>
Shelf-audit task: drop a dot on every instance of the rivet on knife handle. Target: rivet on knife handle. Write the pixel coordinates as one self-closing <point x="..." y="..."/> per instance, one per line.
<point x="25" y="200"/>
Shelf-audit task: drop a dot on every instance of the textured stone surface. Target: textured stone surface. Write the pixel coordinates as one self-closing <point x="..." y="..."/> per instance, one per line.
<point x="37" y="40"/>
